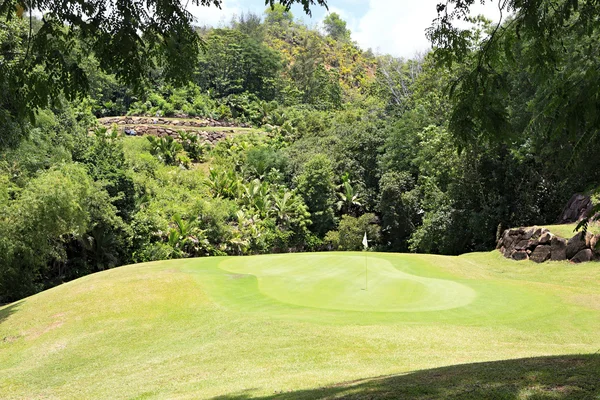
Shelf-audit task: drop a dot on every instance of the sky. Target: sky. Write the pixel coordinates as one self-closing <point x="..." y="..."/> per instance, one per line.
<point x="395" y="27"/>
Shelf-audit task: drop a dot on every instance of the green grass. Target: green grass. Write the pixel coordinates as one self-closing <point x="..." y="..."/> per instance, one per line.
<point x="302" y="326"/>
<point x="568" y="230"/>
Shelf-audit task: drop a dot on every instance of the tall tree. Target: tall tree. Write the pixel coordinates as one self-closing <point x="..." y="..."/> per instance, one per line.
<point x="335" y="27"/>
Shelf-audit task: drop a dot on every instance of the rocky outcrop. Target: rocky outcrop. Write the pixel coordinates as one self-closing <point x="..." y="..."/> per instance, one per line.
<point x="540" y="245"/>
<point x="576" y="209"/>
<point x="197" y="122"/>
<point x="206" y="137"/>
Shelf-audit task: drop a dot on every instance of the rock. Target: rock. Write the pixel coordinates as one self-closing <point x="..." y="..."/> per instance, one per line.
<point x="545" y="238"/>
<point x="522" y="245"/>
<point x="577" y="243"/>
<point x="579" y="206"/>
<point x="541" y="254"/>
<point x="558" y="249"/>
<point x="537" y="232"/>
<point x="519" y="255"/>
<point x="584" y="255"/>
<point x="594" y="241"/>
<point x="508" y="241"/>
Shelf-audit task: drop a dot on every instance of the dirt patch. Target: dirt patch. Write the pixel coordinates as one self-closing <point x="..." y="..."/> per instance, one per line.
<point x="10" y="339"/>
<point x="57" y="323"/>
<point x="238" y="276"/>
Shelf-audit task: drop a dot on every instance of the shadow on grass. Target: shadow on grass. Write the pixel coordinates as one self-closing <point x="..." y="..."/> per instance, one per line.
<point x="7" y="311"/>
<point x="540" y="378"/>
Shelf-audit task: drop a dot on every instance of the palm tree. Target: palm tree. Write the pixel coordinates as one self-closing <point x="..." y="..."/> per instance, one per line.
<point x="257" y="195"/>
<point x="349" y="200"/>
<point x="223" y="183"/>
<point x="165" y="148"/>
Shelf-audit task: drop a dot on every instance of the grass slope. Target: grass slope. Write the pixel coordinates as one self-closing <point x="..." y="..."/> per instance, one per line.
<point x="295" y="326"/>
<point x="568" y="230"/>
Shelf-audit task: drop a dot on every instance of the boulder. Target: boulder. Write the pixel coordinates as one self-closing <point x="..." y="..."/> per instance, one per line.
<point x="594" y="242"/>
<point x="516" y="231"/>
<point x="584" y="255"/>
<point x="558" y="249"/>
<point x="541" y="254"/>
<point x="545" y="238"/>
<point x="519" y="255"/>
<point x="579" y="206"/>
<point x="508" y="240"/>
<point x="577" y="243"/>
<point x="522" y="245"/>
<point x="529" y="233"/>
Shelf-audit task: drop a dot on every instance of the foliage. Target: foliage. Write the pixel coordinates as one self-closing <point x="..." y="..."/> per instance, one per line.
<point x="165" y="149"/>
<point x="233" y="63"/>
<point x="58" y="207"/>
<point x="42" y="62"/>
<point x="351" y="230"/>
<point x="316" y="186"/>
<point x="324" y="141"/>
<point x="336" y="27"/>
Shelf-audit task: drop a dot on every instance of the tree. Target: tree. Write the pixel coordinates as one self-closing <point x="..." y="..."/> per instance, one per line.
<point x="315" y="185"/>
<point x="128" y="39"/>
<point x="398" y="207"/>
<point x="349" y="200"/>
<point x="336" y="27"/>
<point x="554" y="38"/>
<point x="351" y="231"/>
<point x="279" y="15"/>
<point x="251" y="25"/>
<point x="233" y="63"/>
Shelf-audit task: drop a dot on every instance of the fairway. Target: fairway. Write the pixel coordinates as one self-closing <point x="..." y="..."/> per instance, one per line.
<point x="300" y="325"/>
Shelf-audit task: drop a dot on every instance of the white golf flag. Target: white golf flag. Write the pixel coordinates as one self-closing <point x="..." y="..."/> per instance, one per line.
<point x="365" y="242"/>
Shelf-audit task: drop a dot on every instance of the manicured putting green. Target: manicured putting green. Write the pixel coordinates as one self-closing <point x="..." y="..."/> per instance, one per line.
<point x="302" y="326"/>
<point x="349" y="282"/>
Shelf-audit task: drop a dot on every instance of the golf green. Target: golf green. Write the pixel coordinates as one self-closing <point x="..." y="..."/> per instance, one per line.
<point x="309" y="326"/>
<point x="349" y="282"/>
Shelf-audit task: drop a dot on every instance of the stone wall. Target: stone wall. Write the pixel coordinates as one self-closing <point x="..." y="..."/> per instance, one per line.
<point x="540" y="245"/>
<point x="144" y="130"/>
<point x="199" y="123"/>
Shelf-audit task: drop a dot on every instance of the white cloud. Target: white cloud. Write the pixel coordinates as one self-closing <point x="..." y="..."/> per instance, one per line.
<point x="212" y="16"/>
<point x="398" y="27"/>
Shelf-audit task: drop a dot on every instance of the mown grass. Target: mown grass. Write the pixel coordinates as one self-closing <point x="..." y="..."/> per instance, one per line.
<point x="289" y="326"/>
<point x="568" y="230"/>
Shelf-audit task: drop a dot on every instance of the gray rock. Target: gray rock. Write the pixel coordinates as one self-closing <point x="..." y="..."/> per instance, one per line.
<point x="584" y="255"/>
<point x="519" y="255"/>
<point x="577" y="243"/>
<point x="541" y="254"/>
<point x="529" y="233"/>
<point x="579" y="206"/>
<point x="516" y="231"/>
<point x="558" y="249"/>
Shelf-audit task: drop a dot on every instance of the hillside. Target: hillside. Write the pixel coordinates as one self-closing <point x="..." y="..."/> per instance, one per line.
<point x="300" y="326"/>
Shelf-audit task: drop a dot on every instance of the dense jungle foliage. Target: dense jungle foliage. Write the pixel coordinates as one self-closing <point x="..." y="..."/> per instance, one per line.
<point x="423" y="154"/>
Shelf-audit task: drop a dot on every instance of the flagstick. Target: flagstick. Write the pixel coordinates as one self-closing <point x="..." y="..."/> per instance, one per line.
<point x="366" y="273"/>
<point x="365" y="243"/>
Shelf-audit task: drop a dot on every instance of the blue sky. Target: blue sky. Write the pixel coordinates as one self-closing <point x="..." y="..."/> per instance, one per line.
<point x="395" y="27"/>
